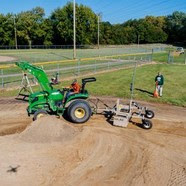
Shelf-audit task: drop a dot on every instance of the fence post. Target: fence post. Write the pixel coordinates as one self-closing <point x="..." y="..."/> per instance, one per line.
<point x="78" y="67"/>
<point x="2" y="82"/>
<point x="95" y="68"/>
<point x="185" y="57"/>
<point x="169" y="54"/>
<point x="108" y="65"/>
<point x="152" y="54"/>
<point x="58" y="71"/>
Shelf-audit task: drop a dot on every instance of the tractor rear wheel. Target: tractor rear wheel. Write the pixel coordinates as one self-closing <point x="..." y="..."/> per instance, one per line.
<point x="40" y="113"/>
<point x="79" y="111"/>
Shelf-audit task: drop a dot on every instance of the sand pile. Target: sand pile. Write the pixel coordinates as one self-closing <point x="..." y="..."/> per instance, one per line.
<point x="48" y="129"/>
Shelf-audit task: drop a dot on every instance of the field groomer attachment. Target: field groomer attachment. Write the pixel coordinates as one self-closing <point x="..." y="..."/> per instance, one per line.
<point x="121" y="114"/>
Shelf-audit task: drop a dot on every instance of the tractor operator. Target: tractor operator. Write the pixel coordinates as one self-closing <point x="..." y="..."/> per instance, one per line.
<point x="159" y="79"/>
<point x="74" y="88"/>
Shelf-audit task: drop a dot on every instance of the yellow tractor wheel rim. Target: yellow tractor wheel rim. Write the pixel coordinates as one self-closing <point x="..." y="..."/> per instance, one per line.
<point x="79" y="113"/>
<point x="40" y="115"/>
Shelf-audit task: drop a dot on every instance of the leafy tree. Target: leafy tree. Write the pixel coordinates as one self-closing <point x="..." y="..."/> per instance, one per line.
<point x="176" y="26"/>
<point x="106" y="33"/>
<point x="86" y="24"/>
<point x="33" y="28"/>
<point x="149" y="30"/>
<point x="6" y="30"/>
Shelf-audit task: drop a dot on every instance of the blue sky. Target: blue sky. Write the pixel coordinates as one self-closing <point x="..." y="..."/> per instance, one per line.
<point x="114" y="11"/>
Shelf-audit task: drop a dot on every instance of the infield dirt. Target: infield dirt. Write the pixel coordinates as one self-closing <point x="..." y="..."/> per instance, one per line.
<point x="53" y="151"/>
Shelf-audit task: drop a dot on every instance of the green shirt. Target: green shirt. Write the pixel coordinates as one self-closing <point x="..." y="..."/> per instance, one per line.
<point x="159" y="79"/>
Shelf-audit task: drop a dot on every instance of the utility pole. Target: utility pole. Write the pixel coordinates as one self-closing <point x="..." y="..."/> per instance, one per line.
<point x="15" y="32"/>
<point x="98" y="28"/>
<point x="74" y="17"/>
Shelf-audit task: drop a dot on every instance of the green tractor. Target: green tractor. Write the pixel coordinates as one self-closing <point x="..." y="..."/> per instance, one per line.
<point x="54" y="101"/>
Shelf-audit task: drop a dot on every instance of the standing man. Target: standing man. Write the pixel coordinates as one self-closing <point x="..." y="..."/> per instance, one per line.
<point x="159" y="79"/>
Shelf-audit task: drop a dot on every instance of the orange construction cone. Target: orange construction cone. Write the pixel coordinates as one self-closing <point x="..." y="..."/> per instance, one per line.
<point x="155" y="95"/>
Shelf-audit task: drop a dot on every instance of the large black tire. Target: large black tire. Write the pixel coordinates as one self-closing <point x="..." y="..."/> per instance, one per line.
<point x="79" y="111"/>
<point x="147" y="124"/>
<point x="149" y="114"/>
<point x="39" y="114"/>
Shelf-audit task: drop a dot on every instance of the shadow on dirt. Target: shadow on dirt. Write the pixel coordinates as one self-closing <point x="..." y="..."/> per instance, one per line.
<point x="137" y="124"/>
<point x="144" y="91"/>
<point x="22" y="99"/>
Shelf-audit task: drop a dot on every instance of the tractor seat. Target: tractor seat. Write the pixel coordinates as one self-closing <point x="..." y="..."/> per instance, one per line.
<point x="85" y="81"/>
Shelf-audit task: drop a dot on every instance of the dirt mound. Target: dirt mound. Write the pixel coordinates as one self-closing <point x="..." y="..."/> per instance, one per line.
<point x="48" y="129"/>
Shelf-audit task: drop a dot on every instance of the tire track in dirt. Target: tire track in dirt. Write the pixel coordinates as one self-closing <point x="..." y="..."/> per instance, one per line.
<point x="13" y="116"/>
<point x="132" y="161"/>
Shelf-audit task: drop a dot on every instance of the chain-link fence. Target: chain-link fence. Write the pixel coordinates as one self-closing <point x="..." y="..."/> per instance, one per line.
<point x="65" y="72"/>
<point x="50" y="55"/>
<point x="13" y="47"/>
<point x="176" y="57"/>
<point x="90" y="61"/>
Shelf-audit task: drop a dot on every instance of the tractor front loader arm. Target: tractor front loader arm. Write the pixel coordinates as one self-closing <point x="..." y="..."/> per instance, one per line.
<point x="38" y="73"/>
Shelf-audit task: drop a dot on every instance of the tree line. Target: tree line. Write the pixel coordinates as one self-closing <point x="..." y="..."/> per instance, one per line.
<point x="32" y="27"/>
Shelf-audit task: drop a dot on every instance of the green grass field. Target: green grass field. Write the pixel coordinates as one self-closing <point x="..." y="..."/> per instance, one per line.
<point x="42" y="56"/>
<point x="110" y="83"/>
<point x="45" y="55"/>
<point x="117" y="84"/>
<point x="163" y="57"/>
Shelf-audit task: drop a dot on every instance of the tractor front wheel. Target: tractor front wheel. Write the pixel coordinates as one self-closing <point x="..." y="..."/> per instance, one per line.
<point x="79" y="111"/>
<point x="40" y="113"/>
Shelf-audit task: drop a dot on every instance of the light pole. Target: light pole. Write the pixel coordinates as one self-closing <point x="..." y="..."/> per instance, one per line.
<point x="98" y="28"/>
<point x="15" y="32"/>
<point x="99" y="19"/>
<point x="74" y="18"/>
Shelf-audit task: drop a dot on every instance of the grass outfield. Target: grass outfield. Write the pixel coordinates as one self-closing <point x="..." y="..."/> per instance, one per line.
<point x="45" y="55"/>
<point x="158" y="57"/>
<point x="163" y="57"/>
<point x="117" y="84"/>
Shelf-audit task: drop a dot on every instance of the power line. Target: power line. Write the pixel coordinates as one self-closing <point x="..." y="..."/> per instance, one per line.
<point x="102" y="7"/>
<point x="146" y="8"/>
<point x="161" y="13"/>
<point x="141" y="4"/>
<point x="129" y="8"/>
